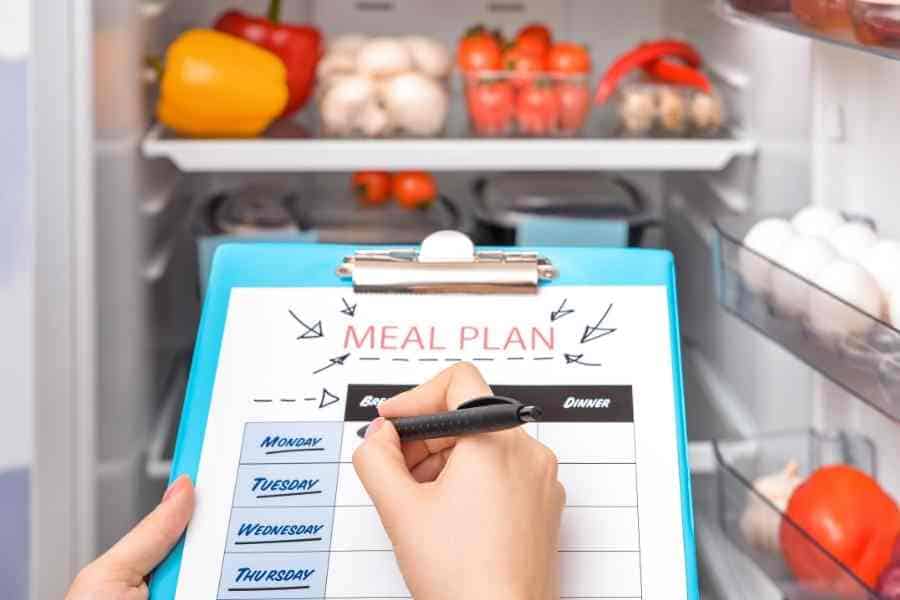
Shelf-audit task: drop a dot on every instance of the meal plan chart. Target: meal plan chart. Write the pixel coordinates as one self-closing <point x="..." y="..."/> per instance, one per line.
<point x="281" y="512"/>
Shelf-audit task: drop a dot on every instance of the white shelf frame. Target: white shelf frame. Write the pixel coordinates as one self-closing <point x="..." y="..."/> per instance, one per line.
<point x="447" y="154"/>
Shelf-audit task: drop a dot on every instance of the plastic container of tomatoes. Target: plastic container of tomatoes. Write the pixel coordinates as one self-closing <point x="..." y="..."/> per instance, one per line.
<point x="648" y="109"/>
<point x="762" y="530"/>
<point x="507" y="103"/>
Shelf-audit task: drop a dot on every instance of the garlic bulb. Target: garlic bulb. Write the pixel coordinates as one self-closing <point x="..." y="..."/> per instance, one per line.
<point x="760" y="524"/>
<point x="383" y="56"/>
<point x="429" y="56"/>
<point x="416" y="104"/>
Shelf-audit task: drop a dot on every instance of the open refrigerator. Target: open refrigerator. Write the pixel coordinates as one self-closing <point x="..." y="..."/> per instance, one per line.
<point x="116" y="282"/>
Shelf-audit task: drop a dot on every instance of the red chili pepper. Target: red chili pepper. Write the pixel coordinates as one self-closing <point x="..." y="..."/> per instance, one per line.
<point x="638" y="57"/>
<point x="676" y="73"/>
<point x="298" y="46"/>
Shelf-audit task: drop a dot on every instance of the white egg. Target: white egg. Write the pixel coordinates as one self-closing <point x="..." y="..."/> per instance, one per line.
<point x="816" y="221"/>
<point x="767" y="239"/>
<point x="804" y="257"/>
<point x="882" y="261"/>
<point x="852" y="284"/>
<point x="893" y="301"/>
<point x="852" y="239"/>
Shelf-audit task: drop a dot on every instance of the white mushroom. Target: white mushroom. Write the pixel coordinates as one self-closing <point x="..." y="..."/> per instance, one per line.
<point x="335" y="62"/>
<point x="344" y="101"/>
<point x="707" y="112"/>
<point x="383" y="56"/>
<point x="416" y="104"/>
<point x="637" y="111"/>
<point x="349" y="43"/>
<point x="429" y="56"/>
<point x="373" y="120"/>
<point x="672" y="110"/>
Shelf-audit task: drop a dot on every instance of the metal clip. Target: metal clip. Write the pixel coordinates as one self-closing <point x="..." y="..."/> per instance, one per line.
<point x="446" y="263"/>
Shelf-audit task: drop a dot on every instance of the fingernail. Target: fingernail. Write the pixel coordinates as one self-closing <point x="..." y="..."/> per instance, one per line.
<point x="171" y="489"/>
<point x="374" y="426"/>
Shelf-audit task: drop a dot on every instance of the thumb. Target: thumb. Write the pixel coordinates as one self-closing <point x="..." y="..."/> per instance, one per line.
<point x="145" y="546"/>
<point x="381" y="467"/>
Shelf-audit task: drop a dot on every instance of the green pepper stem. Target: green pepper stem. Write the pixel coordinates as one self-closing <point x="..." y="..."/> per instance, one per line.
<point x="275" y="10"/>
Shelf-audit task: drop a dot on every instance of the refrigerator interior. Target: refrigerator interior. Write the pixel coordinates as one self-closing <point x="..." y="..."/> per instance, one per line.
<point x="115" y="247"/>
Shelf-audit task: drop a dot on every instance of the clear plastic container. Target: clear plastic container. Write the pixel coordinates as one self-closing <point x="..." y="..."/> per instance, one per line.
<point x="743" y="510"/>
<point x="760" y="6"/>
<point x="825" y="15"/>
<point x="659" y="110"/>
<point x="877" y="22"/>
<point x="864" y="359"/>
<point x="503" y="104"/>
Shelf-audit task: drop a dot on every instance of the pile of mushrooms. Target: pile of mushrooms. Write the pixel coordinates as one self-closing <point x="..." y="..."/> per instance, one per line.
<point x="378" y="86"/>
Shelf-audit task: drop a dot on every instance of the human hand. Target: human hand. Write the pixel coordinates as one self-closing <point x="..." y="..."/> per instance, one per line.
<point x="119" y="574"/>
<point x="470" y="517"/>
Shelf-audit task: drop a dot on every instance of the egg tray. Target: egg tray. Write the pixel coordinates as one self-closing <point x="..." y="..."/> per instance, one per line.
<point x="741" y="462"/>
<point x="865" y="364"/>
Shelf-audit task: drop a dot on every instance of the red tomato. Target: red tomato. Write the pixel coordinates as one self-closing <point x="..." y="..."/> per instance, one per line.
<point x="574" y="105"/>
<point x="537" y="31"/>
<point x="523" y="63"/>
<point x="850" y="516"/>
<point x="414" y="189"/>
<point x="492" y="105"/>
<point x="371" y="187"/>
<point x="534" y="39"/>
<point x="566" y="57"/>
<point x="479" y="50"/>
<point x="537" y="109"/>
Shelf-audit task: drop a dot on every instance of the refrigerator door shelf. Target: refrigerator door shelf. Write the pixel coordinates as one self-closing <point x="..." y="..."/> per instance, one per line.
<point x="855" y="350"/>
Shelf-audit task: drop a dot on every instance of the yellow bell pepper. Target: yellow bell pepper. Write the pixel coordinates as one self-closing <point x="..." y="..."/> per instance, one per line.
<point x="217" y="85"/>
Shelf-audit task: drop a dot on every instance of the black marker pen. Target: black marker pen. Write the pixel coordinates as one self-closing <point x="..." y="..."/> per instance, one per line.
<point x="481" y="415"/>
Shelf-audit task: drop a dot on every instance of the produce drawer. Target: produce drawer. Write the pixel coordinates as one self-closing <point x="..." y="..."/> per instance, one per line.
<point x="742" y="462"/>
<point x="865" y="362"/>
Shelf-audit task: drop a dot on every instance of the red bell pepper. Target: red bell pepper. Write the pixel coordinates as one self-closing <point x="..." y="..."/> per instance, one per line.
<point x="298" y="46"/>
<point x="640" y="56"/>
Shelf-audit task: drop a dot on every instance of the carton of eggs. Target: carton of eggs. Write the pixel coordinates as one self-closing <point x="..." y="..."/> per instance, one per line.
<point x="804" y="257"/>
<point x="766" y="239"/>
<point x="854" y="300"/>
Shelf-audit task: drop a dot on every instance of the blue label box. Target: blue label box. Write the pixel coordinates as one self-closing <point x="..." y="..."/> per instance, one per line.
<point x="269" y="576"/>
<point x="280" y="529"/>
<point x="260" y="486"/>
<point x="288" y="443"/>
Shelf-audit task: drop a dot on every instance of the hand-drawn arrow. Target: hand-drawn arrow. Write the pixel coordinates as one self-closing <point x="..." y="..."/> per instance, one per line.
<point x="575" y="359"/>
<point x="312" y="331"/>
<point x="595" y="332"/>
<point x="327" y="399"/>
<point x="348" y="310"/>
<point x="560" y="312"/>
<point x="337" y="360"/>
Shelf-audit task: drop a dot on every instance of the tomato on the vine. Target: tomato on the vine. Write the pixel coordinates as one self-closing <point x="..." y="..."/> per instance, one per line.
<point x="574" y="105"/>
<point x="479" y="50"/>
<point x="372" y="187"/>
<point x="537" y="108"/>
<point x="414" y="189"/>
<point x="492" y="105"/>
<point x="534" y="39"/>
<point x="569" y="58"/>
<point x="524" y="65"/>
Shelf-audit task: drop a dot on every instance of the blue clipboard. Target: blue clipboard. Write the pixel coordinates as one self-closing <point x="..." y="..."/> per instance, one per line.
<point x="307" y="265"/>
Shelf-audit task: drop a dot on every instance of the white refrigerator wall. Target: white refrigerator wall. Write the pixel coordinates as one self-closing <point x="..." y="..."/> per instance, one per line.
<point x="16" y="301"/>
